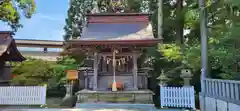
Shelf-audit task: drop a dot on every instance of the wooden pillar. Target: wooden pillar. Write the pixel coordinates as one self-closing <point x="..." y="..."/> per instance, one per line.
<point x="135" y="75"/>
<point x="110" y="66"/>
<point x="86" y="83"/>
<point x="104" y="64"/>
<point x="86" y="79"/>
<point x="95" y="71"/>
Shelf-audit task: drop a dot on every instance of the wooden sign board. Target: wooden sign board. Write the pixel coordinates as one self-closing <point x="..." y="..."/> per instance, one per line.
<point x="72" y="74"/>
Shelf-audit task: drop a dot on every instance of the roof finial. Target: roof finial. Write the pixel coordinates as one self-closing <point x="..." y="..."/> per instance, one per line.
<point x="95" y="7"/>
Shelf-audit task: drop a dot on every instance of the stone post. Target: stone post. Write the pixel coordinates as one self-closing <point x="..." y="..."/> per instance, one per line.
<point x="187" y="76"/>
<point x="68" y="90"/>
<point x="68" y="94"/>
<point x="69" y="100"/>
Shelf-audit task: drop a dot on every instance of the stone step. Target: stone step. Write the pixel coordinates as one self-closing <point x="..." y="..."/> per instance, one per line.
<point x="122" y="107"/>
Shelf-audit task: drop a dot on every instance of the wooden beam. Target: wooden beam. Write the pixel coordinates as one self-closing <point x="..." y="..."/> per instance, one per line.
<point x="118" y="54"/>
<point x="38" y="43"/>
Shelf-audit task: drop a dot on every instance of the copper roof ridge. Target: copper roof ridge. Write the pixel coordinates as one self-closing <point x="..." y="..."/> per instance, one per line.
<point x="151" y="39"/>
<point x="117" y="14"/>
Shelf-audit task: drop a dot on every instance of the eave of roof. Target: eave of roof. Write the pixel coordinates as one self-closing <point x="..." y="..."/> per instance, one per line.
<point x="6" y="32"/>
<point x="14" y="54"/>
<point x="116" y="42"/>
<point x="8" y="50"/>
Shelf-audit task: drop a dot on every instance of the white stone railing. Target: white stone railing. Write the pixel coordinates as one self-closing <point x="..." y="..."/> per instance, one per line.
<point x="22" y="95"/>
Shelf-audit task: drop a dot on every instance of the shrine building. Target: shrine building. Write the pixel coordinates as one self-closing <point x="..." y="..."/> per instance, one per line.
<point x="112" y="43"/>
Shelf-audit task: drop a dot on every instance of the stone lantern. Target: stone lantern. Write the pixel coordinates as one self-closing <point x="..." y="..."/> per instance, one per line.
<point x="84" y="80"/>
<point x="187" y="76"/>
<point x="147" y="69"/>
<point x="163" y="78"/>
<point x="70" y="100"/>
<point x="146" y="72"/>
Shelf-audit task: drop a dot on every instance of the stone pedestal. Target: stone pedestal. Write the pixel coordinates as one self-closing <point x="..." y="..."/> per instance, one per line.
<point x="187" y="76"/>
<point x="135" y="97"/>
<point x="186" y="81"/>
<point x="69" y="100"/>
<point x="68" y="91"/>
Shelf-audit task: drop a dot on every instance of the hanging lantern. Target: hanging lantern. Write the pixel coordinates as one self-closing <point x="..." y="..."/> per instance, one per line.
<point x="72" y="74"/>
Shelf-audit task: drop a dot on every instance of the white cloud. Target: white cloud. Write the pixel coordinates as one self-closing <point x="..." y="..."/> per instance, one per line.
<point x="53" y="17"/>
<point x="56" y="34"/>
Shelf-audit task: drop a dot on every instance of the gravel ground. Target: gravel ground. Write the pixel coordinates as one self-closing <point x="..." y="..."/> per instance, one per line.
<point x="103" y="107"/>
<point x="88" y="110"/>
<point x="53" y="105"/>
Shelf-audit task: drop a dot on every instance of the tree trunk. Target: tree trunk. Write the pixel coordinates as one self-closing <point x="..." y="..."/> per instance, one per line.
<point x="180" y="22"/>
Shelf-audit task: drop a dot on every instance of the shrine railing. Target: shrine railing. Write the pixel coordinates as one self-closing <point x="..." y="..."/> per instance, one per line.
<point x="220" y="95"/>
<point x="117" y="73"/>
<point x="227" y="89"/>
<point x="180" y="97"/>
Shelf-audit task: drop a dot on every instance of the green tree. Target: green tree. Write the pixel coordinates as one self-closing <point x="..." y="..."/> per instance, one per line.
<point x="76" y="17"/>
<point x="223" y="51"/>
<point x="79" y="8"/>
<point x="42" y="72"/>
<point x="32" y="72"/>
<point x="10" y="11"/>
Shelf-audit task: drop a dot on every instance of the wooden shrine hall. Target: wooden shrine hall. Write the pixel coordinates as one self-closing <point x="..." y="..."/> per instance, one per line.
<point x="8" y="53"/>
<point x="113" y="42"/>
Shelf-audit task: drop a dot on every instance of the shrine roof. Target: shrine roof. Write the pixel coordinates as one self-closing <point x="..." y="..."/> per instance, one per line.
<point x="117" y="31"/>
<point x="8" y="48"/>
<point x="117" y="27"/>
<point x="107" y="29"/>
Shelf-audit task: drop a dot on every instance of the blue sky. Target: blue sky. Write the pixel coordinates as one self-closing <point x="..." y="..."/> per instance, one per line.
<point x="46" y="24"/>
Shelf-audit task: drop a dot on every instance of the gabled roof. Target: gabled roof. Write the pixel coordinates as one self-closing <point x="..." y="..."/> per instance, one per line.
<point x="105" y="27"/>
<point x="117" y="31"/>
<point x="114" y="29"/>
<point x="8" y="48"/>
